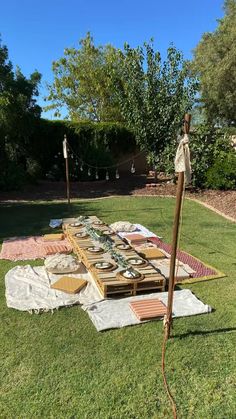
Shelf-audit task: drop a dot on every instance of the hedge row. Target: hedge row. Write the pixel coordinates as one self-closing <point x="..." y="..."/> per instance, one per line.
<point x="98" y="144"/>
<point x="39" y="154"/>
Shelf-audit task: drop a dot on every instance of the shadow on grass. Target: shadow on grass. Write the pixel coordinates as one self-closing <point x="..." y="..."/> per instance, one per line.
<point x="26" y="219"/>
<point x="205" y="332"/>
<point x="33" y="219"/>
<point x="46" y="190"/>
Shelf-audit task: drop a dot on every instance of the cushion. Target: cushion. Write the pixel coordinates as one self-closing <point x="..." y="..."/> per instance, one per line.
<point x="61" y="263"/>
<point x="53" y="237"/>
<point x="69" y="284"/>
<point x="123" y="226"/>
<point x="152" y="253"/>
<point x="148" y="309"/>
<point x="52" y="249"/>
<point x="135" y="238"/>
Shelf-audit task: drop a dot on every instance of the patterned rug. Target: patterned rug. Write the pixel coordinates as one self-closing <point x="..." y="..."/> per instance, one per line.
<point x="203" y="272"/>
<point x="26" y="248"/>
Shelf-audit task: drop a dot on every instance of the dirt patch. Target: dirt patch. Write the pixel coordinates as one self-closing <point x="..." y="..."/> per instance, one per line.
<point x="223" y="201"/>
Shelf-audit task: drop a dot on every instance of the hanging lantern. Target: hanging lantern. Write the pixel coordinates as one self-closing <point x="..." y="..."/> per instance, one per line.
<point x="81" y="168"/>
<point x="117" y="174"/>
<point x="72" y="156"/>
<point x="89" y="172"/>
<point x="96" y="175"/>
<point x="76" y="163"/>
<point x="55" y="157"/>
<point x="107" y="176"/>
<point x="132" y="168"/>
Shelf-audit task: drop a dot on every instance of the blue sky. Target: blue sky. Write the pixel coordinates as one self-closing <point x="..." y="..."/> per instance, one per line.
<point x="36" y="33"/>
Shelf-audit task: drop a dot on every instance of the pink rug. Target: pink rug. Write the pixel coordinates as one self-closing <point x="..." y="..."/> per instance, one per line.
<point x="25" y="248"/>
<point x="202" y="271"/>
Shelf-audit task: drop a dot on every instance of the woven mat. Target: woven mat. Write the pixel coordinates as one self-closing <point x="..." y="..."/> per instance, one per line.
<point x="203" y="272"/>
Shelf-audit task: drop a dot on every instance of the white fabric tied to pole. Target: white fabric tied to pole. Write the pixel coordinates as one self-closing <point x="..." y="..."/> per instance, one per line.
<point x="182" y="158"/>
<point x="65" y="149"/>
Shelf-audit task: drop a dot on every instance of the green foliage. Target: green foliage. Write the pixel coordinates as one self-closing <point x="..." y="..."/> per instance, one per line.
<point x="82" y="83"/>
<point x="98" y="144"/>
<point x="107" y="84"/>
<point x="206" y="144"/>
<point x="222" y="175"/>
<point x="13" y="177"/>
<point x="40" y="157"/>
<point x="18" y="115"/>
<point x="33" y="169"/>
<point x="228" y="131"/>
<point x="153" y="95"/>
<point x="215" y="64"/>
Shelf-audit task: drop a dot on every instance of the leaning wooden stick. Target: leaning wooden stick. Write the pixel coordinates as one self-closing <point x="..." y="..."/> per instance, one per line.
<point x="65" y="154"/>
<point x="179" y="194"/>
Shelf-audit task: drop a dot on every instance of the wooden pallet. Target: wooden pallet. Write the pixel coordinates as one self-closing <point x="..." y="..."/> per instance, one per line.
<point x="109" y="282"/>
<point x="110" y="286"/>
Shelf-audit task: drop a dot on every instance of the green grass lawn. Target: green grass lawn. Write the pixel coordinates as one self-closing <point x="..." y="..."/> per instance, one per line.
<point x="59" y="366"/>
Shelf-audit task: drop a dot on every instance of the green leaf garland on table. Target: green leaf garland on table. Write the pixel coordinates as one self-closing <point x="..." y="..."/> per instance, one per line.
<point x="106" y="243"/>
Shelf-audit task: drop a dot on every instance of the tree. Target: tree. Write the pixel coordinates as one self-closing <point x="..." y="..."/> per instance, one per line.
<point x="18" y="114"/>
<point x="17" y="94"/>
<point x="215" y="65"/>
<point x="82" y="83"/>
<point x="131" y="85"/>
<point x="153" y="95"/>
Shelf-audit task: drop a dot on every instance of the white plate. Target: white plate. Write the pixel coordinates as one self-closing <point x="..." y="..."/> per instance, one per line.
<point x="103" y="265"/>
<point x="130" y="275"/>
<point x="123" y="246"/>
<point x="95" y="249"/>
<point x="81" y="235"/>
<point x="136" y="261"/>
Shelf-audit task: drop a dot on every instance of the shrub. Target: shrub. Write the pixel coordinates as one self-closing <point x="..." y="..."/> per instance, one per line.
<point x="203" y="145"/>
<point x="34" y="170"/>
<point x="206" y="144"/>
<point x="13" y="176"/>
<point x="222" y="175"/>
<point x="98" y="144"/>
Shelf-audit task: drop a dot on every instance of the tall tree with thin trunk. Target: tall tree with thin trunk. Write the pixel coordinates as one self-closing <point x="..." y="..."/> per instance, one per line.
<point x="82" y="83"/>
<point x="18" y="114"/>
<point x="153" y="95"/>
<point x="215" y="65"/>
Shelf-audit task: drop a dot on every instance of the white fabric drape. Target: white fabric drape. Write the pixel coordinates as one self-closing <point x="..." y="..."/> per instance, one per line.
<point x="65" y="149"/>
<point x="182" y="158"/>
<point x="28" y="288"/>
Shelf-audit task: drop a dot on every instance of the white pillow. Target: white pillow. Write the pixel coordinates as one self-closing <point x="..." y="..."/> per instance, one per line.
<point x="61" y="264"/>
<point x="123" y="226"/>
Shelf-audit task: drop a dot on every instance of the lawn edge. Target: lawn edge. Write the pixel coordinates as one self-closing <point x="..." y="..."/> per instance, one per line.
<point x="198" y="201"/>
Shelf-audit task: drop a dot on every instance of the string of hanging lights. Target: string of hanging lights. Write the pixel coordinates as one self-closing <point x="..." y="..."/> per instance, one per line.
<point x="132" y="167"/>
<point x="82" y="164"/>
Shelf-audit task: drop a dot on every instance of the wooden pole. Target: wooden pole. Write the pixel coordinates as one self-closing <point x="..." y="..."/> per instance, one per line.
<point x="179" y="194"/>
<point x="65" y="152"/>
